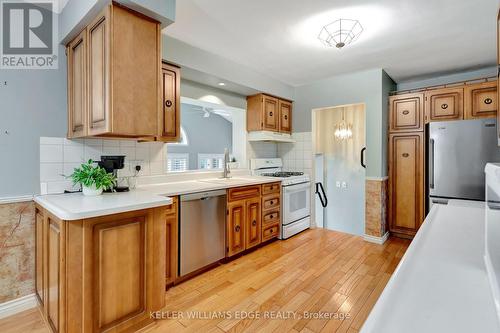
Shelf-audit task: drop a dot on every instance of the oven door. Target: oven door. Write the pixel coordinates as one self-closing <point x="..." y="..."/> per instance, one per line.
<point x="296" y="202"/>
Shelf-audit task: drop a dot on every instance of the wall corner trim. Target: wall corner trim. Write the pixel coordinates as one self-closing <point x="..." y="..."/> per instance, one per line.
<point x="375" y="239"/>
<point x="18" y="305"/>
<point x="23" y="198"/>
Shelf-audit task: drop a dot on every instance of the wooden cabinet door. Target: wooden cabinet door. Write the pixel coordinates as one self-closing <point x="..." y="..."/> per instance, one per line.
<point x="271" y="113"/>
<point x="39" y="255"/>
<point x="253" y="223"/>
<point x="53" y="277"/>
<point x="285" y="108"/>
<point x="481" y="100"/>
<point x="406" y="112"/>
<point x="235" y="227"/>
<point x="98" y="39"/>
<point x="77" y="86"/>
<point x="170" y="116"/>
<point x="406" y="182"/>
<point x="172" y="243"/>
<point x="444" y="104"/>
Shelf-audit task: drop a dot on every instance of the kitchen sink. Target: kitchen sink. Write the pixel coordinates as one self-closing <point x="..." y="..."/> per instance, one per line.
<point x="231" y="181"/>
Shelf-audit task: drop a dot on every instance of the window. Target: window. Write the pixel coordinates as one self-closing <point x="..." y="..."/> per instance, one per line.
<point x="177" y="162"/>
<point x="210" y="161"/>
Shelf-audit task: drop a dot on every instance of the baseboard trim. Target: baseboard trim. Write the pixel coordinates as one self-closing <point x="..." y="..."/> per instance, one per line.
<point x="375" y="239"/>
<point x="18" y="305"/>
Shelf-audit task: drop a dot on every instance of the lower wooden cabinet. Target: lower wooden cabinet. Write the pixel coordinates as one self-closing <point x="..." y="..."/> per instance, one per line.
<point x="172" y="244"/>
<point x="235" y="228"/>
<point x="100" y="274"/>
<point x="253" y="216"/>
<point x="406" y="182"/>
<point x="253" y="223"/>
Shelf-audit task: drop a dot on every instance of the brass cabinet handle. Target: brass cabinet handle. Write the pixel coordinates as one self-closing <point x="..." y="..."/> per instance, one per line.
<point x="271" y="202"/>
<point x="406" y="155"/>
<point x="168" y="103"/>
<point x="488" y="101"/>
<point x="286" y="117"/>
<point x="237" y="228"/>
<point x="271" y="113"/>
<point x="444" y="106"/>
<point x="254" y="223"/>
<point x="271" y="216"/>
<point x="405" y="112"/>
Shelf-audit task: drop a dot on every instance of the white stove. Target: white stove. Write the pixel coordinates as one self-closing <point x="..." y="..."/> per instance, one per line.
<point x="273" y="167"/>
<point x="295" y="194"/>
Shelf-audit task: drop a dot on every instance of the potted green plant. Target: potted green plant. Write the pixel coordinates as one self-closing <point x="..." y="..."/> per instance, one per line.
<point x="93" y="179"/>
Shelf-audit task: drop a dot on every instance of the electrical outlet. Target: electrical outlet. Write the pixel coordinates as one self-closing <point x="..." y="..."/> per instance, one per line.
<point x="337" y="184"/>
<point x="344" y="185"/>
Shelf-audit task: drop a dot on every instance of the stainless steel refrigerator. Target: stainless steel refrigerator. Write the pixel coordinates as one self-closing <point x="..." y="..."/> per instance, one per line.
<point x="457" y="154"/>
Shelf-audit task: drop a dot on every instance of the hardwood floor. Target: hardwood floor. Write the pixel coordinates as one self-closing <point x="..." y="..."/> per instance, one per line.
<point x="318" y="271"/>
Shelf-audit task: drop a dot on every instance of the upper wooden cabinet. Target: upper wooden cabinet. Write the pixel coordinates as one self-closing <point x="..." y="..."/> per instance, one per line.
<point x="77" y="86"/>
<point x="444" y="104"/>
<point x="406" y="112"/>
<point x="481" y="100"/>
<point x="170" y="117"/>
<point x="114" y="81"/>
<point x="268" y="113"/>
<point x="285" y="108"/>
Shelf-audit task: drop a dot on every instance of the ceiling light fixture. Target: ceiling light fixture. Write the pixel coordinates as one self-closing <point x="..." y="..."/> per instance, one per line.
<point x="343" y="130"/>
<point x="340" y="33"/>
<point x="221" y="84"/>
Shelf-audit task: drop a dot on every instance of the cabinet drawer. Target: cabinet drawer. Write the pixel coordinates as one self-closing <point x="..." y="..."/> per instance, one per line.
<point x="271" y="188"/>
<point x="241" y="193"/>
<point x="270" y="231"/>
<point x="271" y="202"/>
<point x="172" y="209"/>
<point x="406" y="112"/>
<point x="271" y="217"/>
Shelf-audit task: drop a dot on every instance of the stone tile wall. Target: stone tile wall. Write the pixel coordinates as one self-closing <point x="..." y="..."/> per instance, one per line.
<point x="376" y="223"/>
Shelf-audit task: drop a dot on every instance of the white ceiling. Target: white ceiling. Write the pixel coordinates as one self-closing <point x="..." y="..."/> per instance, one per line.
<point x="408" y="38"/>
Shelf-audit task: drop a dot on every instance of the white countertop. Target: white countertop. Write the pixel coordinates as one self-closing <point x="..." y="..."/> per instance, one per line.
<point x="76" y="206"/>
<point x="441" y="284"/>
<point x="202" y="185"/>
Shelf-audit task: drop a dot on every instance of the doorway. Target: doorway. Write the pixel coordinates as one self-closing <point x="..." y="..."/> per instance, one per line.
<point x="339" y="167"/>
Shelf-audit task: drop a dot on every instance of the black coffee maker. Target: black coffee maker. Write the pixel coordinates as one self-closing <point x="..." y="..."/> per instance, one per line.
<point x="113" y="163"/>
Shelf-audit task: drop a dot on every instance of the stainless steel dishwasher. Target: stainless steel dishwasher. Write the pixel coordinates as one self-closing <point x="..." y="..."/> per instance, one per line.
<point x="202" y="232"/>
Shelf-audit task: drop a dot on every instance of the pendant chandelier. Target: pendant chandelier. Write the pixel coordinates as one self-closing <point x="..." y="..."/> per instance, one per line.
<point x="340" y="33"/>
<point x="343" y="130"/>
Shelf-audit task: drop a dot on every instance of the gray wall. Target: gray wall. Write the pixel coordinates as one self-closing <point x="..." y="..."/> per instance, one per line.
<point x="32" y="104"/>
<point x="388" y="85"/>
<point x="186" y="55"/>
<point x="199" y="91"/>
<point x="447" y="78"/>
<point x="360" y="87"/>
<point x="205" y="135"/>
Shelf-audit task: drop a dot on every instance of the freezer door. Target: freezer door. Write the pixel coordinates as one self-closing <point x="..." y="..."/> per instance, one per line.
<point x="457" y="154"/>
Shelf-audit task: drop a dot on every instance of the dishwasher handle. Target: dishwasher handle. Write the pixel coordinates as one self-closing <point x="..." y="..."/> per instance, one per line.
<point x="202" y="195"/>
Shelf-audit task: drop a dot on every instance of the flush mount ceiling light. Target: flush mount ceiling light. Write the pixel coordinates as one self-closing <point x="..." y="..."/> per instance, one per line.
<point x="343" y="130"/>
<point x="340" y="33"/>
<point x="221" y="84"/>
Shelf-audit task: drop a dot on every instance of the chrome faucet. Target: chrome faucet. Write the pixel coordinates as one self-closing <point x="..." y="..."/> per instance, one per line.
<point x="227" y="172"/>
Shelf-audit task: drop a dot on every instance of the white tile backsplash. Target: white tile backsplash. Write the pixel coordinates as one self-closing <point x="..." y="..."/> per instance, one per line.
<point x="297" y="156"/>
<point x="60" y="156"/>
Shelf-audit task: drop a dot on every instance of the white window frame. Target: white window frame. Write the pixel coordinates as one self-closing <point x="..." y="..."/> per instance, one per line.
<point x="172" y="156"/>
<point x="202" y="157"/>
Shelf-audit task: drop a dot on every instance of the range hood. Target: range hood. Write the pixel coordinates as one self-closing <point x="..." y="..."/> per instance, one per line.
<point x="269" y="136"/>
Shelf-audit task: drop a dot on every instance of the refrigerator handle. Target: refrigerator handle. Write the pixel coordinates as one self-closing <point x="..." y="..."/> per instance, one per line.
<point x="363" y="164"/>
<point x="431" y="164"/>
